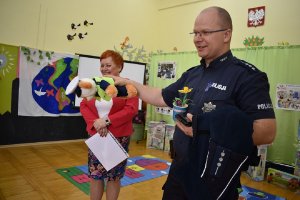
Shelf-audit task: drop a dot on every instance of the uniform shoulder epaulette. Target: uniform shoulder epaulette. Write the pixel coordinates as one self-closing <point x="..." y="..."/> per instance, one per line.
<point x="245" y="64"/>
<point x="193" y="68"/>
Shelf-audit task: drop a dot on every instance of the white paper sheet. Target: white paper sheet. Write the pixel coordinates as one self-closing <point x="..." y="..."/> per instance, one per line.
<point x="107" y="150"/>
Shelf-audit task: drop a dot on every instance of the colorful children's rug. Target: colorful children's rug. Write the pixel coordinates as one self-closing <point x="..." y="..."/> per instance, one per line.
<point x="143" y="168"/>
<point x="140" y="168"/>
<point x="253" y="194"/>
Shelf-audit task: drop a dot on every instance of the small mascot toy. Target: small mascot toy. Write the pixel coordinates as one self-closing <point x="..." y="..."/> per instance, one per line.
<point x="99" y="88"/>
<point x="97" y="94"/>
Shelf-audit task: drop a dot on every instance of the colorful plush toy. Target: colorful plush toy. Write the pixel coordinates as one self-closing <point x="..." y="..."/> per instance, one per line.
<point x="97" y="94"/>
<point x="99" y="88"/>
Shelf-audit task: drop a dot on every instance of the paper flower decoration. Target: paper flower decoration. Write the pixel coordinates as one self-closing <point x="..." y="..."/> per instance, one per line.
<point x="183" y="101"/>
<point x="253" y="41"/>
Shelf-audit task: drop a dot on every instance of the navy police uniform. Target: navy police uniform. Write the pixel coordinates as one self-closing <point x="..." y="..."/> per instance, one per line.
<point x="227" y="81"/>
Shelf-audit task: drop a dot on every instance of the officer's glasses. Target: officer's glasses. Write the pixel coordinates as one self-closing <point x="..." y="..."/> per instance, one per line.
<point x="206" y="33"/>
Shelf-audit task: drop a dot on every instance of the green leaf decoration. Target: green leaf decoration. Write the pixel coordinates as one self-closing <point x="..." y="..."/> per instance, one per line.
<point x="253" y="41"/>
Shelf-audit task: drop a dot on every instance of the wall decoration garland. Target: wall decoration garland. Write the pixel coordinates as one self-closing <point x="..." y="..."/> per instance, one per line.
<point x="256" y="16"/>
<point x="253" y="41"/>
<point x="36" y="56"/>
<point x="283" y="43"/>
<point x="77" y="27"/>
<point x="136" y="54"/>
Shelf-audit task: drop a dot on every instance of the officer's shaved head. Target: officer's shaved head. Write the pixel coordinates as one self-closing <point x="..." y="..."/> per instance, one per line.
<point x="224" y="17"/>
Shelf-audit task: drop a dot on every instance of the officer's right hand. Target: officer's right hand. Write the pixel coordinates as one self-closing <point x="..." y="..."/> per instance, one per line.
<point x="188" y="130"/>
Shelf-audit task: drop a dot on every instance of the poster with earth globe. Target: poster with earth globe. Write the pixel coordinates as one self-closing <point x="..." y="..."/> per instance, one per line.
<point x="44" y="76"/>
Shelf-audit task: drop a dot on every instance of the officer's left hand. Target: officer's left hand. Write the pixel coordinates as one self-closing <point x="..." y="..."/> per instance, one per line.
<point x="188" y="130"/>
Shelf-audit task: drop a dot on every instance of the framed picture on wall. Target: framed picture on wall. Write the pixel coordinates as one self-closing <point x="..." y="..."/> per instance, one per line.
<point x="288" y="97"/>
<point x="166" y="70"/>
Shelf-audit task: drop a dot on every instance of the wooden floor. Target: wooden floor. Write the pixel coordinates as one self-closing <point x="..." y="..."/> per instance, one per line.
<point x="27" y="172"/>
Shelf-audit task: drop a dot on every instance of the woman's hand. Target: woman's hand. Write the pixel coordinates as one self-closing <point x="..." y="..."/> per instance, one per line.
<point x="186" y="129"/>
<point x="100" y="126"/>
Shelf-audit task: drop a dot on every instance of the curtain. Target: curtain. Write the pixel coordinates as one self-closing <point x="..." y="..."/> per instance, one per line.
<point x="281" y="65"/>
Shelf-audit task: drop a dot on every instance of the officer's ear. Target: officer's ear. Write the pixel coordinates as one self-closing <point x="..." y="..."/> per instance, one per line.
<point x="227" y="35"/>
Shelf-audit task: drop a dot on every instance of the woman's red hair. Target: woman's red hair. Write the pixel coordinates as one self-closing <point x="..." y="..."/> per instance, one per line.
<point x="116" y="57"/>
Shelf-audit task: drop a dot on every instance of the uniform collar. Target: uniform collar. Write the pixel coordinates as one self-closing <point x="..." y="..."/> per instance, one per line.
<point x="228" y="55"/>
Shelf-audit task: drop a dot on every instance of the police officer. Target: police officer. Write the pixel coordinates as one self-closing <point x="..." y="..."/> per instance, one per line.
<point x="219" y="80"/>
